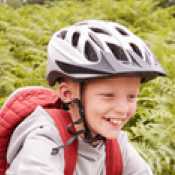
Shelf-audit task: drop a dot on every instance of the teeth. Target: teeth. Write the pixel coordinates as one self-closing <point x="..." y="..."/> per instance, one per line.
<point x="118" y="122"/>
<point x="110" y="116"/>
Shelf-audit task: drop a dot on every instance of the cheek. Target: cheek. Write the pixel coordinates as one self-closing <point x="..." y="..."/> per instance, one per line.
<point x="94" y="110"/>
<point x="91" y="108"/>
<point x="91" y="103"/>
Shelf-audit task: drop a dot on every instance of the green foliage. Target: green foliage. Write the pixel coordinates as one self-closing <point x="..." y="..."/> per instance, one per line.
<point x="14" y="3"/>
<point x="152" y="127"/>
<point x="166" y="3"/>
<point x="41" y="2"/>
<point x="26" y="31"/>
<point x="17" y="3"/>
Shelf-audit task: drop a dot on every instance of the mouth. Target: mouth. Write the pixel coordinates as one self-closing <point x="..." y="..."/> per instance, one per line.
<point x="116" y="122"/>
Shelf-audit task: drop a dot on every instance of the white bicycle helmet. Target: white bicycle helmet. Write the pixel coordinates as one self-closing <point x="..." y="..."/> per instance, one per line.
<point x="95" y="49"/>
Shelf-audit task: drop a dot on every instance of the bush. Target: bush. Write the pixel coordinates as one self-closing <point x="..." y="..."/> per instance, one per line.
<point x="166" y="3"/>
<point x="14" y="3"/>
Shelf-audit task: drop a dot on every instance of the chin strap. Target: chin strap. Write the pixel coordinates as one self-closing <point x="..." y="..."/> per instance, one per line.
<point x="88" y="136"/>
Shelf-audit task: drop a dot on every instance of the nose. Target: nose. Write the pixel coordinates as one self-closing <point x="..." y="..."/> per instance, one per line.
<point x="121" y="107"/>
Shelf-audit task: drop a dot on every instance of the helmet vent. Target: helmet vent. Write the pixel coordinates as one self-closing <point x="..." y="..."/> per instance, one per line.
<point x="62" y="34"/>
<point x="155" y="60"/>
<point x="90" y="53"/>
<point x="100" y="31"/>
<point x="96" y="40"/>
<point x="75" y="38"/>
<point x="147" y="56"/>
<point x="118" y="52"/>
<point x="136" y="49"/>
<point x="121" y="31"/>
<point x="133" y="59"/>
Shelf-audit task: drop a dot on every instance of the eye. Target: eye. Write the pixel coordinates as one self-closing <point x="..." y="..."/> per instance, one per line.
<point x="108" y="95"/>
<point x="131" y="96"/>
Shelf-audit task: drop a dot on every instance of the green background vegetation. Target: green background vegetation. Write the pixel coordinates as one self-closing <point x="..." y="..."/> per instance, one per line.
<point x="25" y="31"/>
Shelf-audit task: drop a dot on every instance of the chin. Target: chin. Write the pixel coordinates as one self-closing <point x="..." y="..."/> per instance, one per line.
<point x="108" y="134"/>
<point x="112" y="136"/>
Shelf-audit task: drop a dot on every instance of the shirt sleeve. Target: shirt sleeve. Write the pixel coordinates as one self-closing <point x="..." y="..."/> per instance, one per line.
<point x="34" y="155"/>
<point x="133" y="163"/>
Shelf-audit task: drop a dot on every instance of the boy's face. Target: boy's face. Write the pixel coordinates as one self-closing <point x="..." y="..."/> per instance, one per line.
<point x="109" y="104"/>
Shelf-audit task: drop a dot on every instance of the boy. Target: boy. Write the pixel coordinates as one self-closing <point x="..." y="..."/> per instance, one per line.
<point x="99" y="66"/>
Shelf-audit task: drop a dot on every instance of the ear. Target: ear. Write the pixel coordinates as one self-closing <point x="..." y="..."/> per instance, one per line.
<point x="65" y="93"/>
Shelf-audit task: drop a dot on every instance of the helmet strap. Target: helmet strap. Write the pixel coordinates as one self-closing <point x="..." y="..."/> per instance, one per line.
<point x="88" y="135"/>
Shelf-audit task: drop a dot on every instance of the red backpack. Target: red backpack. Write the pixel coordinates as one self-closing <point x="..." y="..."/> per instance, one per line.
<point x="24" y="103"/>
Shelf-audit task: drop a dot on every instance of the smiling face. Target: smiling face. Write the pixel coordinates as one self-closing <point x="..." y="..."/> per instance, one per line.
<point x="109" y="104"/>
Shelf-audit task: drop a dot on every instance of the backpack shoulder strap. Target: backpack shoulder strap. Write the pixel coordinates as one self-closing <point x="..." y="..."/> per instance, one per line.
<point x="62" y="119"/>
<point x="114" y="164"/>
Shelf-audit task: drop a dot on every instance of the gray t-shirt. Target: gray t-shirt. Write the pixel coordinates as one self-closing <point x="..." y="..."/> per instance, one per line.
<point x="29" y="151"/>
